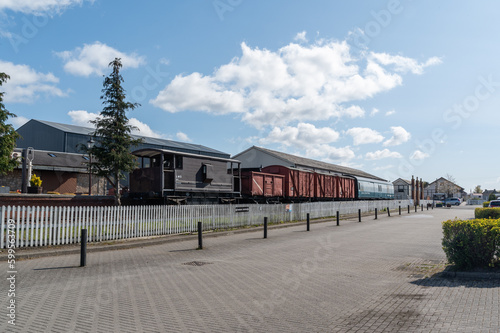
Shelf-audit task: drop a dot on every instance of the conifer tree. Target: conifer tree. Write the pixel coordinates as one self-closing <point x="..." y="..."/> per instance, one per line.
<point x="8" y="135"/>
<point x="111" y="154"/>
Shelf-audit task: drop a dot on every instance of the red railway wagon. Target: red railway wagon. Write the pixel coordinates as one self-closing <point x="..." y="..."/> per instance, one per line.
<point x="298" y="183"/>
<point x="260" y="184"/>
<point x="346" y="188"/>
<point x="326" y="186"/>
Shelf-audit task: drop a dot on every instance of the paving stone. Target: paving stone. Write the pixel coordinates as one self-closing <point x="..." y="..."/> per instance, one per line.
<point x="374" y="276"/>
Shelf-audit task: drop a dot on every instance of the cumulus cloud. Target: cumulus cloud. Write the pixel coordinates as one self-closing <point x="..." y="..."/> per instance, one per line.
<point x="331" y="154"/>
<point x="374" y="112"/>
<point x="39" y="7"/>
<point x="296" y="83"/>
<point x="404" y="64"/>
<point x="83" y="118"/>
<point x="303" y="136"/>
<point x="419" y="155"/>
<point x="399" y="136"/>
<point x="183" y="137"/>
<point x="26" y="85"/>
<point x="380" y="154"/>
<point x="301" y="37"/>
<point x="362" y="135"/>
<point x="94" y="59"/>
<point x="18" y="121"/>
<point x="390" y="113"/>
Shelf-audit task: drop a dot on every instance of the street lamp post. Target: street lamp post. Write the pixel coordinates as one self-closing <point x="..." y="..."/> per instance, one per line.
<point x="90" y="144"/>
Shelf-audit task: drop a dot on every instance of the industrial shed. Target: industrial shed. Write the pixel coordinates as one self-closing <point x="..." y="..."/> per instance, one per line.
<point x="255" y="158"/>
<point x="50" y="136"/>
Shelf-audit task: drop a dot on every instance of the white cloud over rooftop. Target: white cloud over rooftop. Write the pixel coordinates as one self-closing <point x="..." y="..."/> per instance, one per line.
<point x="296" y="83"/>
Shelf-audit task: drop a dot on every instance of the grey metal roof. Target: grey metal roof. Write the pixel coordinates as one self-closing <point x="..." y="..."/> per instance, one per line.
<point x="53" y="160"/>
<point x="157" y="142"/>
<point x="302" y="162"/>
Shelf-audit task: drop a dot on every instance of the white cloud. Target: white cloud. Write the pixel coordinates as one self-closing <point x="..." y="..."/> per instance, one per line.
<point x="379" y="154"/>
<point x="327" y="153"/>
<point x="26" y="85"/>
<point x="83" y="118"/>
<point x="404" y="64"/>
<point x="18" y="121"/>
<point x="303" y="136"/>
<point x="39" y="7"/>
<point x="419" y="155"/>
<point x="399" y="136"/>
<point x="374" y="112"/>
<point x="361" y="135"/>
<point x="301" y="37"/>
<point x="390" y="113"/>
<point x="295" y="83"/>
<point x="94" y="59"/>
<point x="183" y="137"/>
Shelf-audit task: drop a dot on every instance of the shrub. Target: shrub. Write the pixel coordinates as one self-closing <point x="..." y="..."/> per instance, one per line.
<point x="487" y="213"/>
<point x="471" y="243"/>
<point x="35" y="181"/>
<point x="486" y="204"/>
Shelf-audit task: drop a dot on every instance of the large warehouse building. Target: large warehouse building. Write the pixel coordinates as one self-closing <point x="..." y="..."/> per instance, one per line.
<point x="50" y="136"/>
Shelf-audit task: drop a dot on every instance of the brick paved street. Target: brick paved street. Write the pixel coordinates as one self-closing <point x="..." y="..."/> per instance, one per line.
<point x="374" y="276"/>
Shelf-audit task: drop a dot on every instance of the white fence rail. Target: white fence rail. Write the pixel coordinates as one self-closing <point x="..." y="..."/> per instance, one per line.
<point x="43" y="226"/>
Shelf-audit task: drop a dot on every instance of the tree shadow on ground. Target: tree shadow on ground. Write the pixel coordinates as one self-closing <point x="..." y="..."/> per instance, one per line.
<point x="451" y="278"/>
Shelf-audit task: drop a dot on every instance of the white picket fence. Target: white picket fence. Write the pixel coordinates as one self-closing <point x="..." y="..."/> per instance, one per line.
<point x="43" y="226"/>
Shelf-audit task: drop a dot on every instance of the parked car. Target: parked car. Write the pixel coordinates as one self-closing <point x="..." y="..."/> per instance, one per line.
<point x="452" y="201"/>
<point x="494" y="203"/>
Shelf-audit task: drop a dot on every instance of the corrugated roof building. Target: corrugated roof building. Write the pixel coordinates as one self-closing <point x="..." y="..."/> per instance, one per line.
<point x="258" y="157"/>
<point x="50" y="136"/>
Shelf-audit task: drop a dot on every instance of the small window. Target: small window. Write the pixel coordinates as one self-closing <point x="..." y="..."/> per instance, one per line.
<point x="208" y="173"/>
<point x="51" y="155"/>
<point x="178" y="162"/>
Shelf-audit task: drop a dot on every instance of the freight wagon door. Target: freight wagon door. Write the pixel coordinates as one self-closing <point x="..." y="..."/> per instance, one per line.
<point x="268" y="186"/>
<point x="278" y="186"/>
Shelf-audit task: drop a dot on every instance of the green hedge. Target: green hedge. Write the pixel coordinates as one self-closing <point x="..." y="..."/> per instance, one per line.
<point x="486" y="204"/>
<point x="487" y="213"/>
<point x="471" y="243"/>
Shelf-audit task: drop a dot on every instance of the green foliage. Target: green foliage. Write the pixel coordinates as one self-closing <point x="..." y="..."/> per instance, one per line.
<point x="8" y="135"/>
<point x="478" y="189"/>
<point x="492" y="196"/>
<point x="487" y="213"/>
<point x="471" y="243"/>
<point x="486" y="204"/>
<point x="113" y="159"/>
<point x="35" y="181"/>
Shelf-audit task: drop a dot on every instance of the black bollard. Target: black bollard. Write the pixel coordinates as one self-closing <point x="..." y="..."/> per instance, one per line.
<point x="265" y="227"/>
<point x="359" y="215"/>
<point x="408" y="209"/>
<point x="399" y="210"/>
<point x="388" y="212"/>
<point x="83" y="251"/>
<point x="422" y="207"/>
<point x="427" y="206"/>
<point x="375" y="213"/>
<point x="200" y="237"/>
<point x="308" y="223"/>
<point x="415" y="208"/>
<point x="338" y="218"/>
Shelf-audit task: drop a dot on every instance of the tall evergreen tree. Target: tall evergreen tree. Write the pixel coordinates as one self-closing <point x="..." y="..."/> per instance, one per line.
<point x="112" y="157"/>
<point x="8" y="134"/>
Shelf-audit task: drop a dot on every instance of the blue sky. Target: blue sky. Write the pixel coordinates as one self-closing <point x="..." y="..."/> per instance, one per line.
<point x="395" y="88"/>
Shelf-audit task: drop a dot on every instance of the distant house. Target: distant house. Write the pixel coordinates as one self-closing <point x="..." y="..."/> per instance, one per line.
<point x="442" y="185"/>
<point x="402" y="189"/>
<point x="487" y="193"/>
